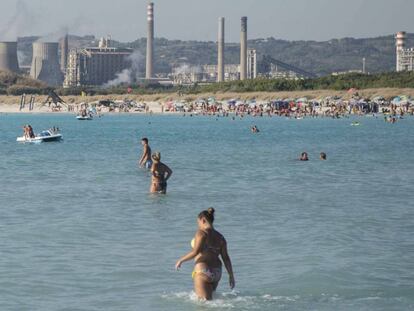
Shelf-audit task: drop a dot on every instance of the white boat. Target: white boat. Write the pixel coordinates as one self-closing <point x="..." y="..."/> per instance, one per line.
<point x="81" y="118"/>
<point x="44" y="136"/>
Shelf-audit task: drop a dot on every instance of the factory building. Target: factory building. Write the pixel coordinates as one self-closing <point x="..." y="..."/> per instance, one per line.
<point x="405" y="57"/>
<point x="95" y="65"/>
<point x="251" y="64"/>
<point x="204" y="74"/>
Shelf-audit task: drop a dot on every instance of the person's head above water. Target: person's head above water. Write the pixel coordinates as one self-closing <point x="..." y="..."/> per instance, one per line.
<point x="323" y="156"/>
<point x="144" y="140"/>
<point x="156" y="157"/>
<point x="304" y="156"/>
<point x="206" y="217"/>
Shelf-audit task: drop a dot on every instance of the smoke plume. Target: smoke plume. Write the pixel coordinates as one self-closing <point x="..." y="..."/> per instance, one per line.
<point x="129" y="75"/>
<point x="54" y="36"/>
<point x="20" y="21"/>
<point x="187" y="69"/>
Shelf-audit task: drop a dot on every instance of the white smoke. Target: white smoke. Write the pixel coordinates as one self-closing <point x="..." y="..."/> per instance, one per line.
<point x="21" y="21"/>
<point x="187" y="69"/>
<point x="128" y="75"/>
<point x="54" y="36"/>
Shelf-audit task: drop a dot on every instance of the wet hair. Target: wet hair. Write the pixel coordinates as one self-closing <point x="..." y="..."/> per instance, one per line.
<point x="156" y="157"/>
<point x="323" y="155"/>
<point x="145" y="140"/>
<point x="207" y="215"/>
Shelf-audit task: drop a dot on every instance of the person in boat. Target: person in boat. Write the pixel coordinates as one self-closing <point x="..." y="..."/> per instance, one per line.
<point x="145" y="160"/>
<point x="160" y="174"/>
<point x="304" y="156"/>
<point x="26" y="134"/>
<point x="208" y="245"/>
<point x="30" y="131"/>
<point x="322" y="156"/>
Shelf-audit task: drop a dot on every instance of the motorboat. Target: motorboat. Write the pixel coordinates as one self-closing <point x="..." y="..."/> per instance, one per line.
<point x="82" y="118"/>
<point x="44" y="136"/>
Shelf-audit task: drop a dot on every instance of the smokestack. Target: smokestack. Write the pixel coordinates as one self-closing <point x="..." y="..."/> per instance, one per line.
<point x="220" y="60"/>
<point x="150" y="41"/>
<point x="45" y="63"/>
<point x="64" y="50"/>
<point x="8" y="56"/>
<point x="243" y="49"/>
<point x="400" y="44"/>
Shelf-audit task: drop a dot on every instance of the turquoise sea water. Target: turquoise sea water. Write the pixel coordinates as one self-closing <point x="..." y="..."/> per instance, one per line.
<point x="79" y="230"/>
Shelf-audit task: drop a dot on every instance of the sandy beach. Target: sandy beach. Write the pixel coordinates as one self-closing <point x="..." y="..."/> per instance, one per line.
<point x="155" y="102"/>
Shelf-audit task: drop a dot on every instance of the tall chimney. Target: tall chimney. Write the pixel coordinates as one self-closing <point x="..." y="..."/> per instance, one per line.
<point x="220" y="56"/>
<point x="150" y="41"/>
<point x="400" y="44"/>
<point x="64" y="50"/>
<point x="243" y="49"/>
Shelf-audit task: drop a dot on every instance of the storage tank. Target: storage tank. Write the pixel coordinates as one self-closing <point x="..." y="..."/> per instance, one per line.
<point x="45" y="63"/>
<point x="8" y="56"/>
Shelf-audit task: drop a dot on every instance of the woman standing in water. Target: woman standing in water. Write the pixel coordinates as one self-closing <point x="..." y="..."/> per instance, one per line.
<point x="160" y="174"/>
<point x="208" y="244"/>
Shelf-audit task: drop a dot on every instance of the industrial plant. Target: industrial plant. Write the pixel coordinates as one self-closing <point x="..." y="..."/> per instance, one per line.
<point x="405" y="57"/>
<point x="95" y="65"/>
<point x="57" y="63"/>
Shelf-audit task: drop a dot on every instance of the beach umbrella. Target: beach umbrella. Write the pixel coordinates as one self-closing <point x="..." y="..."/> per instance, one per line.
<point x="396" y="100"/>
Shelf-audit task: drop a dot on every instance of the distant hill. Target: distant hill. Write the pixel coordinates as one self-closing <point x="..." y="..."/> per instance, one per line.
<point x="321" y="58"/>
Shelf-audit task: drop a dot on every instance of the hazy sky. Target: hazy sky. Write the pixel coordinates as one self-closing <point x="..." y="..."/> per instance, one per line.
<point x="125" y="20"/>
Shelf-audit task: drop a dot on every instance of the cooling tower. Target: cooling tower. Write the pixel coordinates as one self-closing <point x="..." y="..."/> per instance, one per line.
<point x="64" y="50"/>
<point x="8" y="56"/>
<point x="45" y="63"/>
<point x="243" y="49"/>
<point x="150" y="41"/>
<point x="220" y="52"/>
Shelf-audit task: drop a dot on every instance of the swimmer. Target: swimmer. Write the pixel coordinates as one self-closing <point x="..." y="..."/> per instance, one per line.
<point x="160" y="174"/>
<point x="254" y="129"/>
<point x="145" y="160"/>
<point x="322" y="156"/>
<point x="208" y="245"/>
<point x="304" y="156"/>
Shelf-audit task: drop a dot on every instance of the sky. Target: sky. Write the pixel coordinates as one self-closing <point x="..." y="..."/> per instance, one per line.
<point x="125" y="20"/>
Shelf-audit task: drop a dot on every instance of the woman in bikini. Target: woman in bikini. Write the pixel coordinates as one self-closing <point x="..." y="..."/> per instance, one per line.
<point x="160" y="174"/>
<point x="208" y="244"/>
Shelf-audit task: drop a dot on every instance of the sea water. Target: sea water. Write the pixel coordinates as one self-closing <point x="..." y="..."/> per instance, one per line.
<point x="80" y="231"/>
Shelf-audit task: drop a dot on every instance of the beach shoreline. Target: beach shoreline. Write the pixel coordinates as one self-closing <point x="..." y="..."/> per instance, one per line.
<point x="156" y="102"/>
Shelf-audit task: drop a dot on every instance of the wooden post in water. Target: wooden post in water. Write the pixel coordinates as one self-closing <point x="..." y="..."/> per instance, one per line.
<point x="22" y="101"/>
